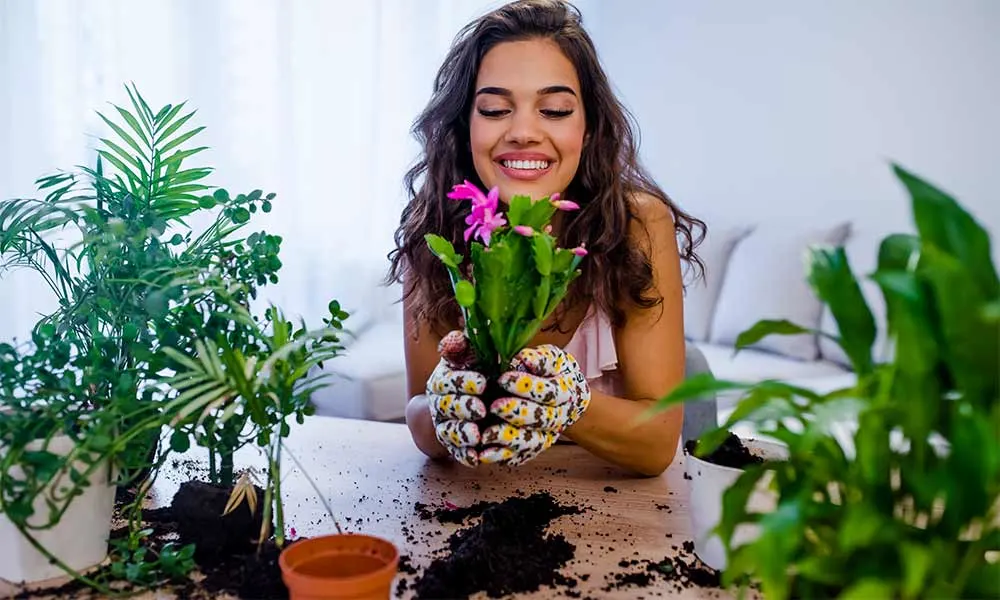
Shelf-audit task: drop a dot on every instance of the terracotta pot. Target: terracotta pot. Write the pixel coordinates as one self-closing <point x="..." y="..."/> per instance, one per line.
<point x="709" y="482"/>
<point x="354" y="566"/>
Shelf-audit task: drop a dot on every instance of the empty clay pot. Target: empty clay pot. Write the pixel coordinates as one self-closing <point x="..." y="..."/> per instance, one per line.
<point x="341" y="566"/>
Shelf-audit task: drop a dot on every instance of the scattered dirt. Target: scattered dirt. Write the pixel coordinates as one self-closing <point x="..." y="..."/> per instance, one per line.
<point x="507" y="552"/>
<point x="683" y="570"/>
<point x="731" y="453"/>
<point x="247" y="575"/>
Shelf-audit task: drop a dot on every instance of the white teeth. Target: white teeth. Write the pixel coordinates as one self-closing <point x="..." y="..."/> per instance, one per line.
<point x="526" y="164"/>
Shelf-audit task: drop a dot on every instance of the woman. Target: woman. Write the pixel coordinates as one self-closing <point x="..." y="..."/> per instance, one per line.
<point x="521" y="103"/>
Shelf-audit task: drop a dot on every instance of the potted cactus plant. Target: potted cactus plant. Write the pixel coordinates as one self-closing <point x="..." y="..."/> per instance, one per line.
<point x="908" y="508"/>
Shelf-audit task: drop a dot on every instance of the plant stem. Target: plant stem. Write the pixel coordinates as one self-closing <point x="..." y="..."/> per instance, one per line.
<point x="279" y="511"/>
<point x="226" y="470"/>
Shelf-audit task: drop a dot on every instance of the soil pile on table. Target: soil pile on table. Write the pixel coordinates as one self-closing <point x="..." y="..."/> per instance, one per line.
<point x="731" y="453"/>
<point x="506" y="552"/>
<point x="226" y="546"/>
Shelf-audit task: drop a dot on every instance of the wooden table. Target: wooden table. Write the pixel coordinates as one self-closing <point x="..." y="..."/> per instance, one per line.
<point x="372" y="475"/>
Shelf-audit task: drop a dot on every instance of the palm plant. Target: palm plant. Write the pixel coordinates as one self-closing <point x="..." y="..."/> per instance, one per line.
<point x="229" y="399"/>
<point x="133" y="255"/>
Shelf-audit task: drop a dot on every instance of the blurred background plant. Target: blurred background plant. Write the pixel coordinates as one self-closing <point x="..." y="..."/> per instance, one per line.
<point x="907" y="503"/>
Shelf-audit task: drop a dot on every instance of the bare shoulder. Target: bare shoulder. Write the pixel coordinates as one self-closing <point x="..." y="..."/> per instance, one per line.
<point x="653" y="227"/>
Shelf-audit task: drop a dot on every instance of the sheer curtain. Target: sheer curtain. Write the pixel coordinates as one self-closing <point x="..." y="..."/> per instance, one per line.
<point x="310" y="99"/>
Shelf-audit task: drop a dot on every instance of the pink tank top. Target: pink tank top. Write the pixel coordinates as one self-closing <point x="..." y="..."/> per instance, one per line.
<point x="593" y="346"/>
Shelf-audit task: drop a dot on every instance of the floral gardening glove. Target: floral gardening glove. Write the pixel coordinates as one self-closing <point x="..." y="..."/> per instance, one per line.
<point x="453" y="398"/>
<point x="551" y="393"/>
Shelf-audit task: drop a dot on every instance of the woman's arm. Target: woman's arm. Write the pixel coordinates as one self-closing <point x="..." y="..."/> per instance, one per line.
<point x="650" y="359"/>
<point x="420" y="349"/>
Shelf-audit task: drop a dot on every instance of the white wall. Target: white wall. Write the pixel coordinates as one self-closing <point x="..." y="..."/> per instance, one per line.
<point x="753" y="110"/>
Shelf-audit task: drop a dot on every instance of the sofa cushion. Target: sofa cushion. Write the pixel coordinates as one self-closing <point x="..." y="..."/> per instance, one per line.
<point x="766" y="279"/>
<point x="369" y="380"/>
<point x="702" y="293"/>
<point x="755" y="365"/>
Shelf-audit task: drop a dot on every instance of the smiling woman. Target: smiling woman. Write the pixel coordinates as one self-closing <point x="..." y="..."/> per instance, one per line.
<point x="522" y="106"/>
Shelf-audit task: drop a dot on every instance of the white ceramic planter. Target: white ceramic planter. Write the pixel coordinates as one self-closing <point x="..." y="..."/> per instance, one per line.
<point x="79" y="539"/>
<point x="707" y="483"/>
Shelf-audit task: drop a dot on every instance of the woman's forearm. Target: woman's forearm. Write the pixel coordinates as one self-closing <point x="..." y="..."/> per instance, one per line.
<point x="612" y="429"/>
<point x="418" y="419"/>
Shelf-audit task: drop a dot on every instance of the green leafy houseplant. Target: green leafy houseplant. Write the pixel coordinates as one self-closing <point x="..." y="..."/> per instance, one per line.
<point x="140" y="294"/>
<point x="131" y="254"/>
<point x="260" y="393"/>
<point x="58" y="443"/>
<point x="516" y="277"/>
<point x="911" y="509"/>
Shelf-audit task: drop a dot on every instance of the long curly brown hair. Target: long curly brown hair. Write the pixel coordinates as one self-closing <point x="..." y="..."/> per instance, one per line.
<point x="608" y="178"/>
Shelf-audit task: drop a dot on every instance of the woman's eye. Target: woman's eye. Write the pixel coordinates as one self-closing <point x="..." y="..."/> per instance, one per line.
<point x="493" y="113"/>
<point x="556" y="114"/>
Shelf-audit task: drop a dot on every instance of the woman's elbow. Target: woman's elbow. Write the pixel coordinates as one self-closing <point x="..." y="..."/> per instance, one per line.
<point x="657" y="461"/>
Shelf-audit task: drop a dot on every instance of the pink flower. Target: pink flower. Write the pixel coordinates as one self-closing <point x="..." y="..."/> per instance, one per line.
<point x="548" y="229"/>
<point x="468" y="191"/>
<point x="579" y="250"/>
<point x="565" y="204"/>
<point x="482" y="223"/>
<point x="450" y="505"/>
<point x="554" y="197"/>
<point x="292" y="532"/>
<point x="483" y="219"/>
<point x="525" y="230"/>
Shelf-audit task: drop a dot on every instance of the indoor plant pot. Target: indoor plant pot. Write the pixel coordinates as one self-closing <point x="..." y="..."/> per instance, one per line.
<point x="709" y="481"/>
<point x="348" y="565"/>
<point x="79" y="539"/>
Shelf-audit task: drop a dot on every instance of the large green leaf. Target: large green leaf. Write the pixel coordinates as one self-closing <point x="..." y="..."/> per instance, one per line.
<point x="833" y="280"/>
<point x="695" y="386"/>
<point x="907" y="307"/>
<point x="943" y="223"/>
<point x="971" y="345"/>
<point x="765" y="327"/>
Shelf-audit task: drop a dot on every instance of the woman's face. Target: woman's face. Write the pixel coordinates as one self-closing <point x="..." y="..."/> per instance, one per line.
<point x="527" y="124"/>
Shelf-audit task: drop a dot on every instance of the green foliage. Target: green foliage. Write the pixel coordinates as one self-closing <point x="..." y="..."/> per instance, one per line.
<point x="136" y="562"/>
<point x="515" y="285"/>
<point x="228" y="399"/>
<point x="911" y="508"/>
<point x="145" y="303"/>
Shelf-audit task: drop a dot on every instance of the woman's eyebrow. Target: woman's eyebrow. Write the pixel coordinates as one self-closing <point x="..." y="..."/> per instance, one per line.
<point x="552" y="89"/>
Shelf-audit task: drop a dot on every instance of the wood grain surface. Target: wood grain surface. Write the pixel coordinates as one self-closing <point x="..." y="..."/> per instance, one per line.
<point x="373" y="477"/>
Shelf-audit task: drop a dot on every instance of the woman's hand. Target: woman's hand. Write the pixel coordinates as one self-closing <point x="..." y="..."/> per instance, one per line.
<point x="550" y="394"/>
<point x="453" y="399"/>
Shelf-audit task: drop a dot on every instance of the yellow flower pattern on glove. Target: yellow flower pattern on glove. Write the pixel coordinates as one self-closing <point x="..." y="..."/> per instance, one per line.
<point x="455" y="406"/>
<point x="549" y="393"/>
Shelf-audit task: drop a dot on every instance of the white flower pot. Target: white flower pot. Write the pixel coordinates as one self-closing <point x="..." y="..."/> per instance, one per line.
<point x="79" y="539"/>
<point x="708" y="482"/>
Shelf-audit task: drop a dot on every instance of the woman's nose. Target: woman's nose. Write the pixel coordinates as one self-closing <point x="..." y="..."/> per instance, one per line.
<point x="524" y="128"/>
